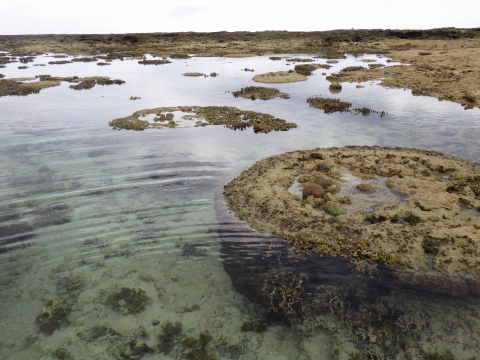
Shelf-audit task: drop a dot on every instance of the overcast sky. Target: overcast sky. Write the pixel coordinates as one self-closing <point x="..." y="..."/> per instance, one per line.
<point x="119" y="16"/>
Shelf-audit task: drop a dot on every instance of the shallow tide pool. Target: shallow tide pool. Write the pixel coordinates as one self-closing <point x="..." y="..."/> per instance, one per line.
<point x="113" y="239"/>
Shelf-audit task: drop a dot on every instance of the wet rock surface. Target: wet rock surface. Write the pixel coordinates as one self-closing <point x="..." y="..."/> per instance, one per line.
<point x="396" y="234"/>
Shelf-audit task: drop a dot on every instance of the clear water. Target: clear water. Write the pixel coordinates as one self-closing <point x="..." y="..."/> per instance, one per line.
<point x="104" y="209"/>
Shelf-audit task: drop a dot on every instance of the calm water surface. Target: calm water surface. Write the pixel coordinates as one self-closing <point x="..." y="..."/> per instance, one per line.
<point x="88" y="211"/>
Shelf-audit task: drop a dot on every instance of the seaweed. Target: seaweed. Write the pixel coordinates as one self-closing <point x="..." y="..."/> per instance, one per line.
<point x="60" y="62"/>
<point x="334" y="209"/>
<point x="97" y="332"/>
<point x="180" y="56"/>
<point x="10" y="87"/>
<point x="84" y="59"/>
<point x="329" y="105"/>
<point x="193" y="74"/>
<point x="168" y="337"/>
<point x="127" y="300"/>
<point x="231" y="117"/>
<point x="300" y="60"/>
<point x="133" y="350"/>
<point x="354" y="355"/>
<point x="254" y="325"/>
<point x="129" y="124"/>
<point x="89" y="83"/>
<point x="154" y="62"/>
<point x="236" y="119"/>
<point x="323" y="168"/>
<point x="195" y="349"/>
<point x="306" y="69"/>
<point x="53" y="315"/>
<point x="260" y="92"/>
<point x="63" y="354"/>
<point x="352" y="68"/>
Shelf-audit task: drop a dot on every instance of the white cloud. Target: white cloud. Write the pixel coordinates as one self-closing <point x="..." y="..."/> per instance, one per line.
<point x="108" y="16"/>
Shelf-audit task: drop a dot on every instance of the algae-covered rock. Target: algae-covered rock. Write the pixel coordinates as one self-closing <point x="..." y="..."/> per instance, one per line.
<point x="330" y="105"/>
<point x="53" y="315"/>
<point x="228" y="116"/>
<point x="279" y="77"/>
<point x="434" y="192"/>
<point x="260" y="92"/>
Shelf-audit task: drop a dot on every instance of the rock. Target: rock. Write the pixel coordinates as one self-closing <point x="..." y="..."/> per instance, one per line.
<point x="313" y="189"/>
<point x="474" y="287"/>
<point x="364" y="187"/>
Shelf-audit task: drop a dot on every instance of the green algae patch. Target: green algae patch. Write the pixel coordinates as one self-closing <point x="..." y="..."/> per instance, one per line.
<point x="425" y="220"/>
<point x="228" y="116"/>
<point x="331" y="105"/>
<point x="260" y="92"/>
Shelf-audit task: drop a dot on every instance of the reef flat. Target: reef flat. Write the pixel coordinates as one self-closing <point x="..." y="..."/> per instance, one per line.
<point x="424" y="224"/>
<point x="443" y="61"/>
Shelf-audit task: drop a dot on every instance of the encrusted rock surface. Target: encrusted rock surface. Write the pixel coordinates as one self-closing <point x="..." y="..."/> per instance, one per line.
<point x="432" y="221"/>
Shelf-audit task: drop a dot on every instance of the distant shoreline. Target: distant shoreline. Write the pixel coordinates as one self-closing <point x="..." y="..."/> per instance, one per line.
<point x="443" y="63"/>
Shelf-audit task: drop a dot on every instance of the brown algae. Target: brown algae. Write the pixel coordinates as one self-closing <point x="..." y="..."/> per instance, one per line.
<point x="230" y="117"/>
<point x="260" y="92"/>
<point x="331" y="105"/>
<point x="127" y="300"/>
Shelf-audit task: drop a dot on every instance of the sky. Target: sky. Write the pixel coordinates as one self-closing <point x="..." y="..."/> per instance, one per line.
<point x="137" y="16"/>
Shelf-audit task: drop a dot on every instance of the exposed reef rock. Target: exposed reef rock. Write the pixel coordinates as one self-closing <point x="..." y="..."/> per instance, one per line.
<point x="231" y="117"/>
<point x="279" y="77"/>
<point x="438" y="189"/>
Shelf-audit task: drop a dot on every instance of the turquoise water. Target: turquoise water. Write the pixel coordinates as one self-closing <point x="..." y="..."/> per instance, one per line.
<point x="87" y="211"/>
